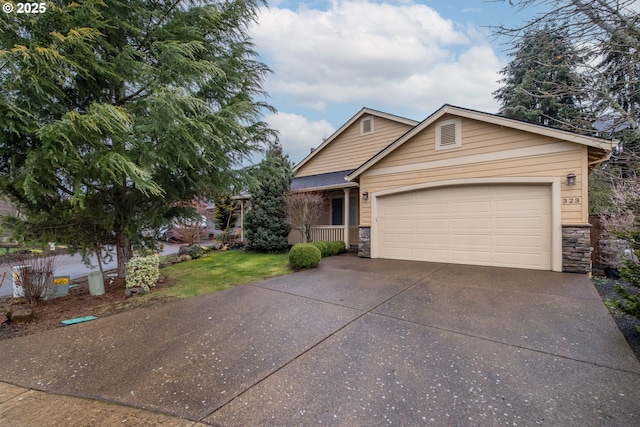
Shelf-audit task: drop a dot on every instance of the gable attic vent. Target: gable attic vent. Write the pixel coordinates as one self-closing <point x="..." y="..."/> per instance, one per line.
<point x="448" y="134"/>
<point x="366" y="125"/>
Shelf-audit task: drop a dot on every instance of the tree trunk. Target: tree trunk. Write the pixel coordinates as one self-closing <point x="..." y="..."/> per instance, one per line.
<point x="123" y="253"/>
<point x="98" y="250"/>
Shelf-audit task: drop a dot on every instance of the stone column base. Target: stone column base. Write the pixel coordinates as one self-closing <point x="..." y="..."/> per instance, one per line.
<point x="576" y="248"/>
<point x="364" y="242"/>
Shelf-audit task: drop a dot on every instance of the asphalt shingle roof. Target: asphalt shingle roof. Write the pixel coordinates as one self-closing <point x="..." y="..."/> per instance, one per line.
<point x="321" y="180"/>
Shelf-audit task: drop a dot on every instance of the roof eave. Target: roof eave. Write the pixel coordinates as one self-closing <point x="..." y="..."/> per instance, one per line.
<point x="327" y="187"/>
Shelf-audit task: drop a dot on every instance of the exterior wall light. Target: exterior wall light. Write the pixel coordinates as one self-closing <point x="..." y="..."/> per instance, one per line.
<point x="571" y="178"/>
<point x="365" y="195"/>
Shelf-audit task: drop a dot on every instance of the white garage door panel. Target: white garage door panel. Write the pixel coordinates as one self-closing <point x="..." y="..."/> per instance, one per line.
<point x="430" y="223"/>
<point x="471" y="257"/>
<point x="479" y="240"/>
<point x="501" y="225"/>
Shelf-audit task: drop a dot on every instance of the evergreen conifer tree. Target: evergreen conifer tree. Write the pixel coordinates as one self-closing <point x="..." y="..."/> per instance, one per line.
<point x="541" y="84"/>
<point x="115" y="114"/>
<point x="266" y="223"/>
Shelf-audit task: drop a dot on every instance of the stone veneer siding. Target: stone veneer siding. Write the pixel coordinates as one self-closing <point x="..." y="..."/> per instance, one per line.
<point x="576" y="248"/>
<point x="364" y="242"/>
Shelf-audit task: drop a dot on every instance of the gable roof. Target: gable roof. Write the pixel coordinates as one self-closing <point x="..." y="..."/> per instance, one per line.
<point x="363" y="112"/>
<point x="602" y="144"/>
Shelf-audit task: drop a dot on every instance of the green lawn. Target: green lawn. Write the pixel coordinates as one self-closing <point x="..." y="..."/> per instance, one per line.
<point x="222" y="270"/>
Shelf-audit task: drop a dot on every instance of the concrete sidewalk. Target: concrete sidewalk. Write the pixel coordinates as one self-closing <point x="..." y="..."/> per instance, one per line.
<point x="354" y="342"/>
<point x="21" y="407"/>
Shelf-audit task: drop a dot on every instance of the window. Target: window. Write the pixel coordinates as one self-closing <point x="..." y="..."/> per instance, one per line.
<point x="448" y="134"/>
<point x="337" y="211"/>
<point x="353" y="213"/>
<point x="366" y="125"/>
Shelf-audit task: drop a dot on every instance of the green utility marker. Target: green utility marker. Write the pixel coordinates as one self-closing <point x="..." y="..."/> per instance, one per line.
<point x="77" y="320"/>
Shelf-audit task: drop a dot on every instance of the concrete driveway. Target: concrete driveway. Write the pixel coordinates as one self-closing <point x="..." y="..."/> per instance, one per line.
<point x="356" y="342"/>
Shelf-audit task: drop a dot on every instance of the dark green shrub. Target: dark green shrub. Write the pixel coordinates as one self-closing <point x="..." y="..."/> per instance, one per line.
<point x="304" y="255"/>
<point x="630" y="272"/>
<point x="336" y="247"/>
<point x="194" y="251"/>
<point x="322" y="246"/>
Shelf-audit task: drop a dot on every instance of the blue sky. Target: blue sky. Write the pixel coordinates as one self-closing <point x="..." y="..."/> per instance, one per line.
<point x="331" y="58"/>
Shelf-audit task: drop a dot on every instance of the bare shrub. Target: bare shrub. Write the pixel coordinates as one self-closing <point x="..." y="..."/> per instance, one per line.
<point x="193" y="228"/>
<point x="304" y="209"/>
<point x="35" y="275"/>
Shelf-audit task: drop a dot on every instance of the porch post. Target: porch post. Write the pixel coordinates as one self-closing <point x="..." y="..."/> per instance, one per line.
<point x="242" y="220"/>
<point x="346" y="216"/>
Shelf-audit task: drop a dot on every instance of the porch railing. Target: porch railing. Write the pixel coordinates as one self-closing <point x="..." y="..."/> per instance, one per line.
<point x="319" y="232"/>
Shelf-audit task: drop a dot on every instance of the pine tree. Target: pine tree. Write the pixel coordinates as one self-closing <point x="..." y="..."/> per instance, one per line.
<point x="620" y="68"/>
<point x="265" y="224"/>
<point x="540" y="83"/>
<point x="114" y="113"/>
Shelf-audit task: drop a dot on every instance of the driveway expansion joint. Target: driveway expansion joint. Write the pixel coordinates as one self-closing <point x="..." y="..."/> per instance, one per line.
<point x="519" y="347"/>
<point x="329" y="336"/>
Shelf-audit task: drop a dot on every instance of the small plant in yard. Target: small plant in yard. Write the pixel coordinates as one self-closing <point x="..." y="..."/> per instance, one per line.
<point x="336" y="247"/>
<point x="304" y="255"/>
<point x="305" y="209"/>
<point x="322" y="246"/>
<point x="143" y="272"/>
<point x="34" y="275"/>
<point x="194" y="251"/>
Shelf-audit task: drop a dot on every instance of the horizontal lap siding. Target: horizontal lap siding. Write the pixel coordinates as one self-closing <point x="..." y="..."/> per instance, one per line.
<point x="479" y="138"/>
<point x="476" y="140"/>
<point x="350" y="149"/>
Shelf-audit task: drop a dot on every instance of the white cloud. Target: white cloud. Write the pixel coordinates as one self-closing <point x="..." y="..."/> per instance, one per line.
<point x="385" y="56"/>
<point x="298" y="134"/>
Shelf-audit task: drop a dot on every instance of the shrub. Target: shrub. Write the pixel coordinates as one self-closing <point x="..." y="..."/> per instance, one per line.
<point x="304" y="255"/>
<point x="34" y="275"/>
<point x="194" y="251"/>
<point x="336" y="247"/>
<point x="143" y="272"/>
<point x="322" y="246"/>
<point x="630" y="272"/>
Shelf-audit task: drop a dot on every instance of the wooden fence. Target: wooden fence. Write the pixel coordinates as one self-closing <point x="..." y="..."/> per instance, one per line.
<point x="596" y="233"/>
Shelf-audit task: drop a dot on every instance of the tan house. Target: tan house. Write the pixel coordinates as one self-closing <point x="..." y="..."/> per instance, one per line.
<point x="461" y="186"/>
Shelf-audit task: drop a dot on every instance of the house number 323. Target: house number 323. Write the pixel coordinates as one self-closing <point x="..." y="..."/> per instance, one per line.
<point x="570" y="200"/>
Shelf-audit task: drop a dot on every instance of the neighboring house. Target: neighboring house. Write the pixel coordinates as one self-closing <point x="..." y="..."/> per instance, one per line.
<point x="461" y="186"/>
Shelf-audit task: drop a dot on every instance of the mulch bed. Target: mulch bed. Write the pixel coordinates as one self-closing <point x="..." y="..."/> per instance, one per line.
<point x="626" y="323"/>
<point x="79" y="303"/>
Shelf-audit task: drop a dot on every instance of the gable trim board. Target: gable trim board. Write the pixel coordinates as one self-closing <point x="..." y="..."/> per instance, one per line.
<point x="553" y="234"/>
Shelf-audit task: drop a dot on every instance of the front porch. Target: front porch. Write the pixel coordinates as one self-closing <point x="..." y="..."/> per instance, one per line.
<point x="340" y="218"/>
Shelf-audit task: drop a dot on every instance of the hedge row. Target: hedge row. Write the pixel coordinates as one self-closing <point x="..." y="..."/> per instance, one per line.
<point x="308" y="255"/>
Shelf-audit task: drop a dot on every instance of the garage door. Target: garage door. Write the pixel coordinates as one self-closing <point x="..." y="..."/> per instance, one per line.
<point x="499" y="225"/>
